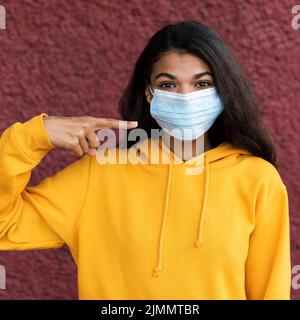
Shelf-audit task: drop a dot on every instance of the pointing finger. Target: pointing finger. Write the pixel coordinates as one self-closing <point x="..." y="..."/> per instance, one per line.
<point x="113" y="123"/>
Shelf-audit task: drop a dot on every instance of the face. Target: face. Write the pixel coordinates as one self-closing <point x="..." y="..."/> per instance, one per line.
<point x="179" y="72"/>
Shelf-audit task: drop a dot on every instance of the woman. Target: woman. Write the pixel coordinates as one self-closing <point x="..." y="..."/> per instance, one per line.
<point x="150" y="230"/>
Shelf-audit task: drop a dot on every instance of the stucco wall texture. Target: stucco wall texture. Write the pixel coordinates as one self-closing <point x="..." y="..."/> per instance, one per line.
<point x="74" y="58"/>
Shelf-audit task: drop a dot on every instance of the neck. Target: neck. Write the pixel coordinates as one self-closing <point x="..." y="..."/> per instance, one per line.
<point x="187" y="149"/>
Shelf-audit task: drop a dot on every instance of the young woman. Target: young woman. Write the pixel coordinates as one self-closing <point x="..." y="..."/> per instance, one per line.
<point x="150" y="230"/>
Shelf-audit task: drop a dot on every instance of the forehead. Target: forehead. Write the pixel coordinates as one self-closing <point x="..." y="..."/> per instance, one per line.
<point x="180" y="64"/>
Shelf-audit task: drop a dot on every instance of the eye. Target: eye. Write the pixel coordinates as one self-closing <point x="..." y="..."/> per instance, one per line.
<point x="204" y="83"/>
<point x="168" y="85"/>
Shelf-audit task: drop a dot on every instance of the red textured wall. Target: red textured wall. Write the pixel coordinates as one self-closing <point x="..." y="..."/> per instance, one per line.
<point x="75" y="57"/>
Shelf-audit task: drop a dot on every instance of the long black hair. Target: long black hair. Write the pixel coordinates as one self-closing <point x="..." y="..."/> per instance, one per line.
<point x="239" y="124"/>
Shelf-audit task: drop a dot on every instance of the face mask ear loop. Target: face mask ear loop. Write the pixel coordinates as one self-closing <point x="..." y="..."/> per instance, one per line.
<point x="151" y="91"/>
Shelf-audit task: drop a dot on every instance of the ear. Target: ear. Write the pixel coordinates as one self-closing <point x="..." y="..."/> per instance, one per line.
<point x="148" y="95"/>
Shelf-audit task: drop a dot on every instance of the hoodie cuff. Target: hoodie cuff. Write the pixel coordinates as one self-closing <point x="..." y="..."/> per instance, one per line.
<point x="32" y="137"/>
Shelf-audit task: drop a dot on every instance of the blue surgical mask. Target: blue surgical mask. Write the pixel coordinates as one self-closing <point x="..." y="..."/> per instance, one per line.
<point x="186" y="116"/>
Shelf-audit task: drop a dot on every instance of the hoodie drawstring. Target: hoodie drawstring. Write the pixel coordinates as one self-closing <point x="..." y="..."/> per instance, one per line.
<point x="158" y="267"/>
<point x="199" y="239"/>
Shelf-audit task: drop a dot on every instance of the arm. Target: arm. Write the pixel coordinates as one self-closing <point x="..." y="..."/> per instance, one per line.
<point x="268" y="266"/>
<point x="45" y="215"/>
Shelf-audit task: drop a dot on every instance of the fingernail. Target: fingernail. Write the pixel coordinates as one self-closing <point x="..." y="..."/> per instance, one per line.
<point x="92" y="152"/>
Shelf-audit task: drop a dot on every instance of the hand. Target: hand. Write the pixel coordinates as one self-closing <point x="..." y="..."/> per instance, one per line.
<point x="77" y="134"/>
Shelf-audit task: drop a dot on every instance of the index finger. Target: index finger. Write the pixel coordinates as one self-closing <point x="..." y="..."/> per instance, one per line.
<point x="113" y="123"/>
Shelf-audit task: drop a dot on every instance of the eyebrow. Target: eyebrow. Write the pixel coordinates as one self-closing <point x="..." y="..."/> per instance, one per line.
<point x="172" y="76"/>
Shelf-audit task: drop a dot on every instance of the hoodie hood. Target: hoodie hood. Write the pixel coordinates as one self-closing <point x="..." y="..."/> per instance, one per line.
<point x="156" y="148"/>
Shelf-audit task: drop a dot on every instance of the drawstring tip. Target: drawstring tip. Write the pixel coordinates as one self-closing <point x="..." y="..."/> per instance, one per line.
<point x="157" y="271"/>
<point x="198" y="244"/>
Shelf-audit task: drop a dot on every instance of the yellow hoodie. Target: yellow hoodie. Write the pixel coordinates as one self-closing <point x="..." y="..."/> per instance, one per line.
<point x="151" y="231"/>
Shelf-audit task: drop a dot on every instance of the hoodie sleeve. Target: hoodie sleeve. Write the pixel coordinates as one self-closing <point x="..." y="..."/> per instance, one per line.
<point x="268" y="266"/>
<point x="45" y="215"/>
